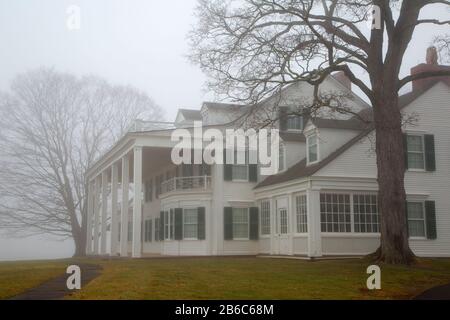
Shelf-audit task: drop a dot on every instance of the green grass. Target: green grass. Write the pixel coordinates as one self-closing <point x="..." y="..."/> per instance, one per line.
<point x="233" y="278"/>
<point x="17" y="277"/>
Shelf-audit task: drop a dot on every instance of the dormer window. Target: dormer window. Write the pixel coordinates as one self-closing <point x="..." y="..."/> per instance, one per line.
<point x="294" y="123"/>
<point x="313" y="148"/>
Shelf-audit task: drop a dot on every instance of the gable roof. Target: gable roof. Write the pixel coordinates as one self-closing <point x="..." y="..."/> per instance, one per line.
<point x="301" y="170"/>
<point x="190" y="114"/>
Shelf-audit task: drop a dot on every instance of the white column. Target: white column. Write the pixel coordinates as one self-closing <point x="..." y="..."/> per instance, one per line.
<point x="104" y="211"/>
<point x="137" y="203"/>
<point x="114" y="213"/>
<point x="89" y="216"/>
<point x="124" y="209"/>
<point x="314" y="230"/>
<point x="96" y="213"/>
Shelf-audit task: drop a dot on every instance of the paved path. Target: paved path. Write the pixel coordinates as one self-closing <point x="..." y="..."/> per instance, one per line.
<point x="56" y="288"/>
<point x="437" y="293"/>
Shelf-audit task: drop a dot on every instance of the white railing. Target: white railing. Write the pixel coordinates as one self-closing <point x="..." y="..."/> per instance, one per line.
<point x="186" y="183"/>
<point x="142" y="126"/>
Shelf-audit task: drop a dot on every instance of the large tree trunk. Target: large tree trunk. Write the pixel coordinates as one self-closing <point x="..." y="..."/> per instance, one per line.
<point x="394" y="247"/>
<point x="79" y="239"/>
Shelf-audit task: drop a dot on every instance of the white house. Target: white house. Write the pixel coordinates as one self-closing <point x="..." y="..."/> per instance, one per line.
<point x="323" y="202"/>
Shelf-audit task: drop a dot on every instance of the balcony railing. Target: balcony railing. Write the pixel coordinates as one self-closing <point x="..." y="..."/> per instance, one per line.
<point x="186" y="183"/>
<point x="142" y="126"/>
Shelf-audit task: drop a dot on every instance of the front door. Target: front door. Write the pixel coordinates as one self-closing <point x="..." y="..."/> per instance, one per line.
<point x="281" y="236"/>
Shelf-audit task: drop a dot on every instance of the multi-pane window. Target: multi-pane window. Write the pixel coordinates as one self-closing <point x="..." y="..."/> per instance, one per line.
<point x="301" y="214"/>
<point x="190" y="224"/>
<point x="283" y="221"/>
<point x="148" y="230"/>
<point x="172" y="224"/>
<point x="416" y="154"/>
<point x="240" y="223"/>
<point x="281" y="158"/>
<point x="416" y="219"/>
<point x="335" y="212"/>
<point x="265" y="217"/>
<point x="365" y="210"/>
<point x="295" y="122"/>
<point x="312" y="149"/>
<point x="166" y="225"/>
<point x="148" y="190"/>
<point x="156" y="229"/>
<point x="240" y="171"/>
<point x="130" y="231"/>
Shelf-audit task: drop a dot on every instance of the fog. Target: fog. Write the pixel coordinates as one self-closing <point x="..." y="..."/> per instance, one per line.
<point x="137" y="42"/>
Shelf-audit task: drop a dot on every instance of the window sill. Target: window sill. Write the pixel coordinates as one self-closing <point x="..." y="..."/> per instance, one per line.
<point x="418" y="238"/>
<point x="350" y="234"/>
<point x="416" y="170"/>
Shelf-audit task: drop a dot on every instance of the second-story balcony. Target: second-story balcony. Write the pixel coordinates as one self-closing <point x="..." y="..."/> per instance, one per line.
<point x="180" y="184"/>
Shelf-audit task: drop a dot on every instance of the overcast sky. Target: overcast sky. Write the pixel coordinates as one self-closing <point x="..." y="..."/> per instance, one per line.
<point x="137" y="42"/>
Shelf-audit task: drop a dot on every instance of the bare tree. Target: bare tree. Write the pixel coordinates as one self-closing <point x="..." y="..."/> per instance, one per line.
<point x="251" y="49"/>
<point x="53" y="126"/>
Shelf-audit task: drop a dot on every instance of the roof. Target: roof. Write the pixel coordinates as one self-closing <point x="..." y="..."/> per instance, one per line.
<point x="218" y="105"/>
<point x="352" y="124"/>
<point x="301" y="170"/>
<point x="190" y="114"/>
<point x="292" y="136"/>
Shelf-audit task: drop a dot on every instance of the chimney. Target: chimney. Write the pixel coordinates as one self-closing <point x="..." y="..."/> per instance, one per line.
<point x="430" y="65"/>
<point x="342" y="78"/>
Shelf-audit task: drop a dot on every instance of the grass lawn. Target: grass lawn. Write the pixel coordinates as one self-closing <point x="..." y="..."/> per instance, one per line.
<point x="17" y="277"/>
<point x="234" y="278"/>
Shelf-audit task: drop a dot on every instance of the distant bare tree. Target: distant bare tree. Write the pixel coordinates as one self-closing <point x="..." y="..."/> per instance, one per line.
<point x="53" y="126"/>
<point x="252" y="49"/>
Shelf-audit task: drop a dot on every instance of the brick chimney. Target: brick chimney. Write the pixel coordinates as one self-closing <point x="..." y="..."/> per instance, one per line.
<point x="342" y="78"/>
<point x="430" y="65"/>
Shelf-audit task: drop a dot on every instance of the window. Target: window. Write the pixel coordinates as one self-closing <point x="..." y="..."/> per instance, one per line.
<point x="172" y="224"/>
<point x="416" y="154"/>
<point x="149" y="190"/>
<point x="283" y="221"/>
<point x="130" y="231"/>
<point x="281" y="158"/>
<point x="156" y="229"/>
<point x="265" y="217"/>
<point x="335" y="212"/>
<point x="295" y="122"/>
<point x="416" y="219"/>
<point x="240" y="223"/>
<point x="365" y="210"/>
<point x="158" y="182"/>
<point x="190" y="224"/>
<point x="166" y="225"/>
<point x="301" y="213"/>
<point x="312" y="149"/>
<point x="148" y="231"/>
<point x="240" y="171"/>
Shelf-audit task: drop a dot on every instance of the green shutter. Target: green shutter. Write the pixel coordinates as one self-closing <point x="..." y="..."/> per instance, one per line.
<point x="407" y="221"/>
<point x="201" y="234"/>
<point x="178" y="224"/>
<point x="254" y="223"/>
<point x="228" y="223"/>
<point x="430" y="156"/>
<point x="227" y="168"/>
<point x="282" y="118"/>
<point x="253" y="172"/>
<point x="430" y="216"/>
<point x="161" y="225"/>
<point x="405" y="149"/>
